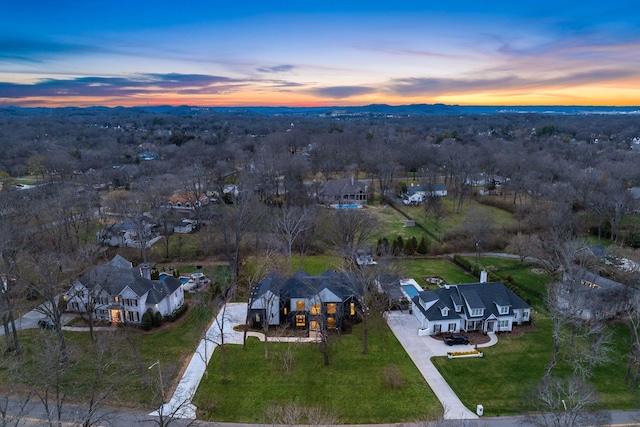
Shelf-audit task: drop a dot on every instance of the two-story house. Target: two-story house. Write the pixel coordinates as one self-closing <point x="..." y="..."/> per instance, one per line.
<point x="306" y="302"/>
<point x="118" y="292"/>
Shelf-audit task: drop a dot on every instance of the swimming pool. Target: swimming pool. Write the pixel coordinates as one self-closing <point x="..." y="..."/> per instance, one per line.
<point x="410" y="290"/>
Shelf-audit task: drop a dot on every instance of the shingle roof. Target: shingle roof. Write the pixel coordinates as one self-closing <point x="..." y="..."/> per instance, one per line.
<point x="476" y="295"/>
<point x="303" y="285"/>
<point x="117" y="275"/>
<point x="342" y="186"/>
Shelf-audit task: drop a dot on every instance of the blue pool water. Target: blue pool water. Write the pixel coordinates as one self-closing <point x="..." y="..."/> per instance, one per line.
<point x="410" y="290"/>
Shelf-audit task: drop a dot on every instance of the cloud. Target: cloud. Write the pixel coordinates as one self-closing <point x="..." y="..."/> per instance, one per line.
<point x="143" y="84"/>
<point x="276" y="69"/>
<point x="31" y="50"/>
<point x="423" y="86"/>
<point x="339" y="92"/>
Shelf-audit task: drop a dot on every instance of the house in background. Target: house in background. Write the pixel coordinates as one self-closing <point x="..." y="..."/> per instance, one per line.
<point x="344" y="191"/>
<point x="118" y="292"/>
<point x="485" y="307"/>
<point x="330" y="300"/>
<point x="416" y="193"/>
<point x="187" y="200"/>
<point x="585" y="295"/>
<point x="185" y="226"/>
<point x="129" y="233"/>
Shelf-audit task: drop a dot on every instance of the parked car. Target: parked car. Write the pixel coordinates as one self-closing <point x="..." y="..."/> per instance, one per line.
<point x="456" y="339"/>
<point x="46" y="323"/>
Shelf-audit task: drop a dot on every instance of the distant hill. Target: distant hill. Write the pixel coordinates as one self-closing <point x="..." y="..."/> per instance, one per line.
<point x="365" y="110"/>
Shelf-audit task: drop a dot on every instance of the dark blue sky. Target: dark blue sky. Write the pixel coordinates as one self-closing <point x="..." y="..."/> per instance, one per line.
<point x="319" y="53"/>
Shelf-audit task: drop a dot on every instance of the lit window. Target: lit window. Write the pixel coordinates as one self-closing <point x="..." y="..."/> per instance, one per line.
<point x="314" y="326"/>
<point x="301" y="320"/>
<point x="331" y="322"/>
<point x="352" y="310"/>
<point x="331" y="308"/>
<point x="300" y="305"/>
<point x="285" y="311"/>
<point x="315" y="309"/>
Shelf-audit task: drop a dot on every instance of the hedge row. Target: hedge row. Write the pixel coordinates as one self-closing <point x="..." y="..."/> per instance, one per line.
<point x="475" y="269"/>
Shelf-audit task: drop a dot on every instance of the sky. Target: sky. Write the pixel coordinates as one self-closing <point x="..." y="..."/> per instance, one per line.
<point x="310" y="53"/>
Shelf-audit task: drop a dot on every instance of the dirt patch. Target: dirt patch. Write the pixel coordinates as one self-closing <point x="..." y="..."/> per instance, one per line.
<point x="518" y="330"/>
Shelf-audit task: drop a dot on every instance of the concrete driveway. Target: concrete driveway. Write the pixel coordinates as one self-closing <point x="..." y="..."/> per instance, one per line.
<point x="421" y="350"/>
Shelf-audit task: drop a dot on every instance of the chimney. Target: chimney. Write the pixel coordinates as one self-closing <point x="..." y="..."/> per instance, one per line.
<point x="483" y="276"/>
<point x="353" y="180"/>
<point x="145" y="271"/>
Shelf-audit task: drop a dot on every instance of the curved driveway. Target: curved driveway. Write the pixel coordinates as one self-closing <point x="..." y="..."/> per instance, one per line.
<point x="421" y="349"/>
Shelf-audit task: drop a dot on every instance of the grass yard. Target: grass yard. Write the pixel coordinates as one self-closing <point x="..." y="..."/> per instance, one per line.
<point x="532" y="283"/>
<point x="134" y="351"/>
<point x="352" y="388"/>
<point x="420" y="268"/>
<point x="505" y="379"/>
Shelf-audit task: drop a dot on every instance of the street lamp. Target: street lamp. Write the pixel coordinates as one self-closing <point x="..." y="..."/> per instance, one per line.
<point x="157" y="362"/>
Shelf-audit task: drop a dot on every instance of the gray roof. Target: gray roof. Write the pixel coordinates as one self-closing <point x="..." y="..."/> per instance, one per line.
<point x="116" y="275"/>
<point x="342" y="186"/>
<point x="477" y="295"/>
<point x="303" y="285"/>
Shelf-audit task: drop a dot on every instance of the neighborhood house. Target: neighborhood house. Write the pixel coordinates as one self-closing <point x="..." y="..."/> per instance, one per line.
<point x="587" y="296"/>
<point x="118" y="292"/>
<point x="331" y="300"/>
<point x="485" y="307"/>
<point x="344" y="191"/>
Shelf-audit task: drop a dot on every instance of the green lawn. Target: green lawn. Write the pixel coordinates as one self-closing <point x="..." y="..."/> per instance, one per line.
<point x="352" y="388"/>
<point x="532" y="283"/>
<point x="504" y="380"/>
<point x="420" y="268"/>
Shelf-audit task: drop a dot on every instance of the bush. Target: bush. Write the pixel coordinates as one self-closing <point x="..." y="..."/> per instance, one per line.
<point x="177" y="313"/>
<point x="157" y="319"/>
<point x="147" y="321"/>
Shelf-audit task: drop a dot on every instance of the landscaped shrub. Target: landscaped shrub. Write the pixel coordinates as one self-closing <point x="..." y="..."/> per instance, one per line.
<point x="147" y="321"/>
<point x="157" y="319"/>
<point x="409" y="249"/>
<point x="177" y="313"/>
<point x="422" y="247"/>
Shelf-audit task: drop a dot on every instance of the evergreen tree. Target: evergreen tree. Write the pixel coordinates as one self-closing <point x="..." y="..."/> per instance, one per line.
<point x="422" y="247"/>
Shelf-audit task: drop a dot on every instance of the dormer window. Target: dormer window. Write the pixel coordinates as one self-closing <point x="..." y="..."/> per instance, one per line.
<point x="445" y="311"/>
<point x="504" y="309"/>
<point x="477" y="312"/>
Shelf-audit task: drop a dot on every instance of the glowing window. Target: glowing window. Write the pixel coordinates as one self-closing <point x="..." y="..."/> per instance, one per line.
<point x="331" y="322"/>
<point x="315" y="309"/>
<point x="299" y="305"/>
<point x="331" y="308"/>
<point x="301" y="320"/>
<point x="352" y="310"/>
<point x="315" y="326"/>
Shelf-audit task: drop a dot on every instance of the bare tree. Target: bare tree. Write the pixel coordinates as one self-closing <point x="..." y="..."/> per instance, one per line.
<point x="234" y="222"/>
<point x="567" y="403"/>
<point x="291" y="223"/>
<point x="350" y="230"/>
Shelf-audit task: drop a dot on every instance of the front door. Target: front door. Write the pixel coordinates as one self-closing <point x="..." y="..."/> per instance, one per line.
<point x="490" y="325"/>
<point x="115" y="316"/>
<point x="437" y="328"/>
